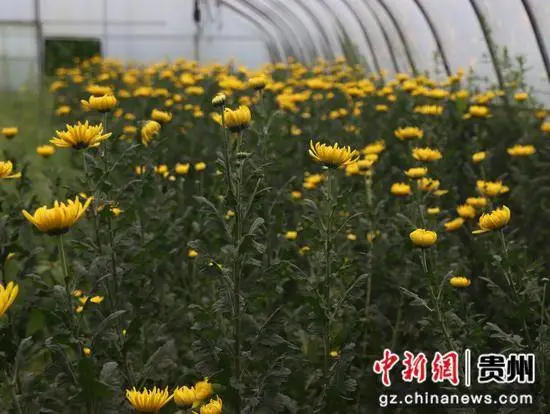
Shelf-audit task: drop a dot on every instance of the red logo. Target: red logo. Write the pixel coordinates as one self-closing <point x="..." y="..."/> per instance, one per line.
<point x="445" y="367"/>
<point x="385" y="365"/>
<point x="415" y="367"/>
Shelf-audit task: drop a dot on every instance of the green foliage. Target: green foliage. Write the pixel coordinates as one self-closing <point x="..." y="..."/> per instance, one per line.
<point x="277" y="325"/>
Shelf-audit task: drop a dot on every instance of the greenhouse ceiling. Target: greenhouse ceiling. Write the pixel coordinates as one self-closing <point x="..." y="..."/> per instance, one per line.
<point x="439" y="36"/>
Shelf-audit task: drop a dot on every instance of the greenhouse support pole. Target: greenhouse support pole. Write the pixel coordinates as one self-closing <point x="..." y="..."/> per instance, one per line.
<point x="402" y="36"/>
<point x="198" y="31"/>
<point x="39" y="43"/>
<point x="538" y="36"/>
<point x="366" y="35"/>
<point x="385" y="35"/>
<point x="437" y="38"/>
<point x="490" y="45"/>
<point x="105" y="30"/>
<point x="273" y="46"/>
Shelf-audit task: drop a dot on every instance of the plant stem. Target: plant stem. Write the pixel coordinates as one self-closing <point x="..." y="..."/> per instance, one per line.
<point x="326" y="282"/>
<point x="66" y="279"/>
<point x="4" y="281"/>
<point x="237" y="275"/>
<point x="440" y="316"/>
<point x="113" y="263"/>
<point x="395" y="334"/>
<point x="510" y="281"/>
<point x="368" y="190"/>
<point x="96" y="225"/>
<point x="227" y="148"/>
<point x="11" y="385"/>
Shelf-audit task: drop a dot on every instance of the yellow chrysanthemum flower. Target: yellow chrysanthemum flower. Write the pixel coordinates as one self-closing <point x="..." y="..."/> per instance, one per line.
<point x="352" y="169"/>
<point x="433" y="211"/>
<point x="161" y="169"/>
<point x="428" y="109"/>
<point x="6" y="170"/>
<point x="192" y="253"/>
<point x="466" y="211"/>
<point x="521" y="96"/>
<point x="219" y="100"/>
<point x="45" y="151"/>
<point x="140" y="169"/>
<point x="541" y="113"/>
<point x="491" y="188"/>
<point x="494" y="220"/>
<point x="116" y="211"/>
<point x="203" y="389"/>
<point x="453" y="225"/>
<point x="401" y="189"/>
<point x="148" y="401"/>
<point x="521" y="150"/>
<point x="416" y="172"/>
<point x="304" y="250"/>
<point x="423" y="237"/>
<point x="459" y="281"/>
<point x="258" y="82"/>
<point x="148" y="131"/>
<point x="478" y="202"/>
<point x="98" y="90"/>
<point x="375" y="148"/>
<point x="80" y="136"/>
<point x="97" y="299"/>
<point x="479" y="156"/>
<point x="60" y="218"/>
<point x="129" y="129"/>
<point x="200" y="166"/>
<point x="101" y="103"/>
<point x="291" y="235"/>
<point x="332" y="155"/>
<point x="295" y="131"/>
<point x="408" y="133"/>
<point x="426" y="154"/>
<point x="428" y="184"/>
<point x="296" y="195"/>
<point x="63" y="110"/>
<point x="477" y="111"/>
<point x="9" y="132"/>
<point x="213" y="407"/>
<point x="182" y="169"/>
<point x="184" y="396"/>
<point x="238" y="119"/>
<point x="162" y="117"/>
<point x="311" y="181"/>
<point x="7" y="296"/>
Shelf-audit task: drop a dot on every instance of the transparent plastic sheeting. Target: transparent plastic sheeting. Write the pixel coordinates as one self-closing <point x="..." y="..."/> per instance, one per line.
<point x="256" y="31"/>
<point x="18" y="55"/>
<point x="518" y="37"/>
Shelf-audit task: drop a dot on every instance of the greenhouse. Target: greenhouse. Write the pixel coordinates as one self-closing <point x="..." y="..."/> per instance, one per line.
<point x="274" y="206"/>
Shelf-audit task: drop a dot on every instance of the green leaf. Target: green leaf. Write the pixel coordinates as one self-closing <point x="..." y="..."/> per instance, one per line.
<point x="36" y="322"/>
<point x="160" y="362"/>
<point x="417" y="300"/>
<point x="104" y="324"/>
<point x="111" y="376"/>
<point x="91" y="388"/>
